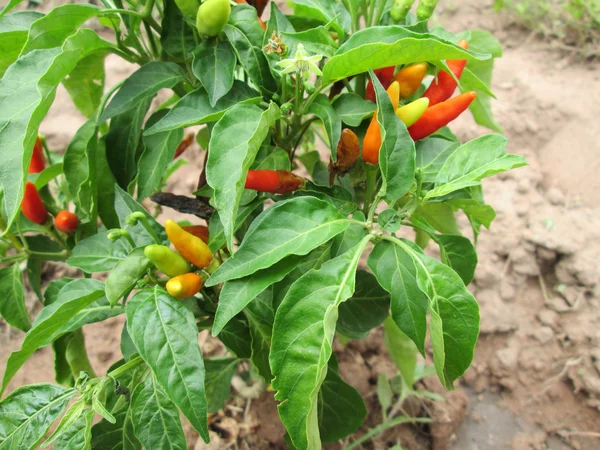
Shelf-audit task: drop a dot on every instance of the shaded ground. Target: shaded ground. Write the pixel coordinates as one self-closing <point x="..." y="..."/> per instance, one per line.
<point x="535" y="381"/>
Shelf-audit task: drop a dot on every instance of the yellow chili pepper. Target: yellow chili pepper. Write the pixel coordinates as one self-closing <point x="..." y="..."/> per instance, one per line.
<point x="185" y="285"/>
<point x="410" y="78"/>
<point x="412" y="112"/>
<point x="189" y="246"/>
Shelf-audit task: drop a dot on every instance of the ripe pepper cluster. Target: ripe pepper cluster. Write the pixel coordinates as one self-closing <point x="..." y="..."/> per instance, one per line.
<point x="424" y="116"/>
<point x="191" y="243"/>
<point x="33" y="207"/>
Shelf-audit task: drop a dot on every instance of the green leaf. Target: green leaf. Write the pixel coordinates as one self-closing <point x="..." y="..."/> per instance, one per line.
<point x="397" y="153"/>
<point x="195" y="109"/>
<point x="440" y="216"/>
<point x="236" y="337"/>
<point x="143" y="84"/>
<point x="432" y="153"/>
<point x="385" y="46"/>
<point x="277" y="159"/>
<point x="155" y="417"/>
<point x="28" y="412"/>
<point x="27" y="90"/>
<point x="279" y="23"/>
<point x="45" y="248"/>
<point x="234" y="143"/>
<point x="159" y="150"/>
<point x="236" y="294"/>
<point x="477" y="159"/>
<point x="98" y="253"/>
<point x="313" y="260"/>
<point x="350" y="237"/>
<point x="454" y="323"/>
<point x="125" y="275"/>
<point x="321" y="108"/>
<point x="123" y="142"/>
<point x="124" y="206"/>
<point x="455" y="251"/>
<point x="214" y="64"/>
<point x="342" y="409"/>
<point x="85" y="83"/>
<point x="12" y="298"/>
<point x="177" y="37"/>
<point x="171" y="351"/>
<point x="219" y="372"/>
<point x="384" y="392"/>
<point x="367" y="309"/>
<point x="79" y="168"/>
<point x="79" y="435"/>
<point x="402" y="350"/>
<point x="353" y="109"/>
<point x="13" y="35"/>
<point x="216" y="233"/>
<point x="55" y="27"/>
<point x="291" y="227"/>
<point x="117" y="436"/>
<point x="396" y="273"/>
<point x="106" y="184"/>
<point x="302" y="343"/>
<point x="251" y="57"/>
<point x="325" y="11"/>
<point x="9" y="6"/>
<point x="34" y="276"/>
<point x="316" y="40"/>
<point x="316" y="168"/>
<point x="477" y="213"/>
<point x="52" y="320"/>
<point x="260" y="315"/>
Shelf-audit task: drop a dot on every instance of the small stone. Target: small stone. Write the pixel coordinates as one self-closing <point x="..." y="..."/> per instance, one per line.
<point x="495" y="318"/>
<point x="532" y="125"/>
<point x="543" y="334"/>
<point x="555" y="196"/>
<point x="548" y="317"/>
<point x="508" y="383"/>
<point x="486" y="275"/>
<point x="507" y="292"/>
<point x="523" y="186"/>
<point x="545" y="254"/>
<point x="522" y="208"/>
<point x="476" y="417"/>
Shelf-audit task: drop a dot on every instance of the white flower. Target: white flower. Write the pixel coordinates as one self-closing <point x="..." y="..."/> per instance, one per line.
<point x="301" y="63"/>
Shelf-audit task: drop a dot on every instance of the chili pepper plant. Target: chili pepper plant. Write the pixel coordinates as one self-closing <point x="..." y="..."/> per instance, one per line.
<point x="310" y="166"/>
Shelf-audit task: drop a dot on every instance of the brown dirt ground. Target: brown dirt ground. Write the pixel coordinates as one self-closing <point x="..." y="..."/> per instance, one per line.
<point x="535" y="380"/>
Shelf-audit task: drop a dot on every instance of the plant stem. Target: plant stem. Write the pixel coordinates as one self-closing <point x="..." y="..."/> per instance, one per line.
<point x="105" y="99"/>
<point x="347" y="84"/>
<point x="132" y="364"/>
<point x="371" y="172"/>
<point x="283" y="88"/>
<point x="360" y="84"/>
<point x="298" y="94"/>
<point x="384" y="426"/>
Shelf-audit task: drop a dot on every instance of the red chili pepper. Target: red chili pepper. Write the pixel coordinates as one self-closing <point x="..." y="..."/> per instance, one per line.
<point x="385" y="76"/>
<point x="32" y="205"/>
<point x="183" y="145"/>
<point x="435" y="117"/>
<point x="446" y="85"/>
<point x="66" y="221"/>
<point x="273" y="181"/>
<point x="37" y="164"/>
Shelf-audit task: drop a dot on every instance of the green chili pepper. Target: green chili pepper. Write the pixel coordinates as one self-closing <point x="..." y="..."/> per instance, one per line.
<point x="425" y="9"/>
<point x="212" y="17"/>
<point x="166" y="260"/>
<point x="400" y="9"/>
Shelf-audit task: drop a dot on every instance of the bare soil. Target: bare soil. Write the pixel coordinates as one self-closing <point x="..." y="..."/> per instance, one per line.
<point x="535" y="380"/>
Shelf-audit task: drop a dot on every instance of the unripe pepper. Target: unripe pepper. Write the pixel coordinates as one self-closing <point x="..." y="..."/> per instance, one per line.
<point x="189" y="8"/>
<point x="188" y="245"/>
<point x="410" y="113"/>
<point x="446" y="85"/>
<point x="183" y="145"/>
<point x="260" y="22"/>
<point x="37" y="164"/>
<point x="212" y="17"/>
<point x="410" y="78"/>
<point x="32" y="205"/>
<point x="372" y="140"/>
<point x="66" y="221"/>
<point x="166" y="260"/>
<point x="184" y="286"/>
<point x="385" y="77"/>
<point x="348" y="151"/>
<point x="435" y="117"/>
<point x="425" y="9"/>
<point x="197" y="230"/>
<point x="400" y="9"/>
<point x="273" y="181"/>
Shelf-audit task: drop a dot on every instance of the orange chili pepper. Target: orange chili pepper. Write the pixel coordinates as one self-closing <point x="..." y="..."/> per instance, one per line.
<point x="372" y="140"/>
